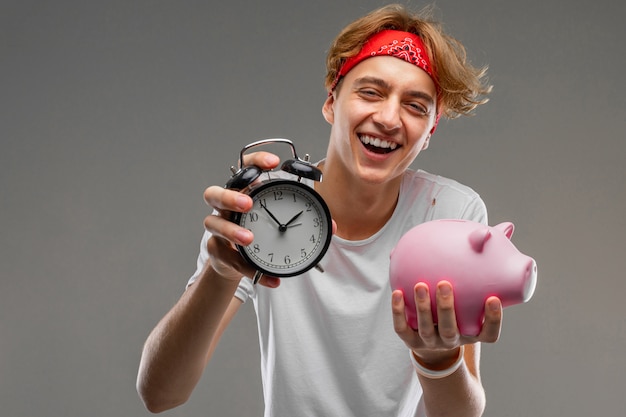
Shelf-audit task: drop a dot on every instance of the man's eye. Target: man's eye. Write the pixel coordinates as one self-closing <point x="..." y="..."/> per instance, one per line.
<point x="368" y="93"/>
<point x="418" y="108"/>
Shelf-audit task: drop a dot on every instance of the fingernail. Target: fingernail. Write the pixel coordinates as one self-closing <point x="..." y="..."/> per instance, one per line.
<point x="242" y="202"/>
<point x="421" y="293"/>
<point x="494" y="305"/>
<point x="397" y="297"/>
<point x="272" y="159"/>
<point x="242" y="237"/>
<point x="445" y="290"/>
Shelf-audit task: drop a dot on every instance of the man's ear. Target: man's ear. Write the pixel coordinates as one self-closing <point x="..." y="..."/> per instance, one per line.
<point x="328" y="110"/>
<point x="426" y="142"/>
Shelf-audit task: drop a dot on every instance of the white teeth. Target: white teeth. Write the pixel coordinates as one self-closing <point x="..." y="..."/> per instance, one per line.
<point x="377" y="142"/>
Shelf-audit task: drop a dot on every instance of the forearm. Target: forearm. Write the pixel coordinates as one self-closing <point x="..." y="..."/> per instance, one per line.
<point x="176" y="352"/>
<point x="459" y="394"/>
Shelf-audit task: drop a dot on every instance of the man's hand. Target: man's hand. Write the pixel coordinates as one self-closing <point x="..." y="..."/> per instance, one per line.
<point x="223" y="255"/>
<point x="438" y="343"/>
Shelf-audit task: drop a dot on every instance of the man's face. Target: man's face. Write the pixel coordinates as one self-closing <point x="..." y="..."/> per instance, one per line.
<point x="381" y="116"/>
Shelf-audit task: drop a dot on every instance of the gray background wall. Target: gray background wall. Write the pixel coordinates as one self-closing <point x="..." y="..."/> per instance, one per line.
<point x="116" y="115"/>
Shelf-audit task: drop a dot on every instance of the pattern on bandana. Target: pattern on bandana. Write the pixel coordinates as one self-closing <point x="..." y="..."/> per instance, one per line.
<point x="405" y="50"/>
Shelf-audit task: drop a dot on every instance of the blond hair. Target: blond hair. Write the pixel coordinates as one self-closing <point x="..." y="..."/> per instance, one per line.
<point x="462" y="87"/>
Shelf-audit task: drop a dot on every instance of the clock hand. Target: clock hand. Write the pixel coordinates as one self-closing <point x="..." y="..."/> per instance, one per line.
<point x="293" y="219"/>
<point x="280" y="225"/>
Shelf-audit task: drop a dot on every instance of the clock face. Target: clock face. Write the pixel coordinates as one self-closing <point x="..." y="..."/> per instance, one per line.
<point x="291" y="225"/>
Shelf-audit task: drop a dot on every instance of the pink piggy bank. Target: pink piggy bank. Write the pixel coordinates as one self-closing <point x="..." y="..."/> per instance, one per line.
<point x="479" y="261"/>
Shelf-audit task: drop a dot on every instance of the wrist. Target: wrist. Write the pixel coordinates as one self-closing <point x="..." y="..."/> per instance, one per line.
<point x="212" y="280"/>
<point x="436" y="368"/>
<point x="437" y="359"/>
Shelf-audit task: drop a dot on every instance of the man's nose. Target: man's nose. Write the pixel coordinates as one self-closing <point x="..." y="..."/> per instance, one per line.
<point x="388" y="116"/>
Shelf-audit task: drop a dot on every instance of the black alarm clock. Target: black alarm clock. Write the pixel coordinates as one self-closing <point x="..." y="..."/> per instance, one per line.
<point x="290" y="221"/>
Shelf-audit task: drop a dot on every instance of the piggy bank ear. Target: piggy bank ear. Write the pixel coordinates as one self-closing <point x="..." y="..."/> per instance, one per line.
<point x="479" y="237"/>
<point x="507" y="228"/>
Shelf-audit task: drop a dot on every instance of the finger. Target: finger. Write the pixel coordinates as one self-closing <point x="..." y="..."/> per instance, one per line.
<point x="492" y="324"/>
<point x="262" y="159"/>
<point x="226" y="260"/>
<point x="218" y="226"/>
<point x="425" y="322"/>
<point x="221" y="198"/>
<point x="270" y="282"/>
<point x="448" y="330"/>
<point x="400" y="324"/>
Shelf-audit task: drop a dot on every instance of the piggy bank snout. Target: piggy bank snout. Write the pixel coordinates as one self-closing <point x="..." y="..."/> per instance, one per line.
<point x="530" y="280"/>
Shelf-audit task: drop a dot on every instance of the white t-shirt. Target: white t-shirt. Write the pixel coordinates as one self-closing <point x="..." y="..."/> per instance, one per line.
<point x="328" y="347"/>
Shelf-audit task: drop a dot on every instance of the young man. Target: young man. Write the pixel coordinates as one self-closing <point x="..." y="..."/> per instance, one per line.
<point x="337" y="343"/>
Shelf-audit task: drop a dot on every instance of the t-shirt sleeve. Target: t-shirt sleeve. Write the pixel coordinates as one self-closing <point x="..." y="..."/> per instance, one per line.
<point x="476" y="210"/>
<point x="458" y="202"/>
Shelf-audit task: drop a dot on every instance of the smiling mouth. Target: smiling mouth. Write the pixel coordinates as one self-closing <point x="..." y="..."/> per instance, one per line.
<point x="377" y="145"/>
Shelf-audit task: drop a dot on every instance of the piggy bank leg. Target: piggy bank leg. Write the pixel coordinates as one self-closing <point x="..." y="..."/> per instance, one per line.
<point x="471" y="324"/>
<point x="485" y="319"/>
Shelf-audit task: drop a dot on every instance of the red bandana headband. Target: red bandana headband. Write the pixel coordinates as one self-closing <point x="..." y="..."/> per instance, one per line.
<point x="404" y="45"/>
